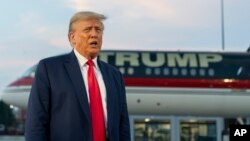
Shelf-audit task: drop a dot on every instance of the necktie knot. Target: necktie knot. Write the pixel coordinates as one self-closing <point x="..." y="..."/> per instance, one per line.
<point x="90" y="62"/>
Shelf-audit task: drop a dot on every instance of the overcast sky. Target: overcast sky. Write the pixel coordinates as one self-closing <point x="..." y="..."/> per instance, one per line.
<point x="34" y="29"/>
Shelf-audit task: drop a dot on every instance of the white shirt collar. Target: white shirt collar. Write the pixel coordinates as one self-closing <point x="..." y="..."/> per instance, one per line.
<point x="83" y="60"/>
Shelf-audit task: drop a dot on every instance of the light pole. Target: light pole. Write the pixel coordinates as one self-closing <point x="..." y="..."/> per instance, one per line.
<point x="222" y="26"/>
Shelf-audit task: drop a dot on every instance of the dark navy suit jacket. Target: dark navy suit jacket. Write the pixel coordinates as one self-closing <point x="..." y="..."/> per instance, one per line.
<point x="58" y="108"/>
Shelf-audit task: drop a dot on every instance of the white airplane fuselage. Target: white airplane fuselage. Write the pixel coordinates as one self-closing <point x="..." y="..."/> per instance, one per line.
<point x="167" y="101"/>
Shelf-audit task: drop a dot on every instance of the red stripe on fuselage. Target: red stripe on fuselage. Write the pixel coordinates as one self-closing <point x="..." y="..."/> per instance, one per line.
<point x="189" y="83"/>
<point x="27" y="81"/>
<point x="167" y="82"/>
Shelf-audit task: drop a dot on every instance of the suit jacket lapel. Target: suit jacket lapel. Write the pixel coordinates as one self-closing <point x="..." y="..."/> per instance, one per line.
<point x="110" y="99"/>
<point x="75" y="75"/>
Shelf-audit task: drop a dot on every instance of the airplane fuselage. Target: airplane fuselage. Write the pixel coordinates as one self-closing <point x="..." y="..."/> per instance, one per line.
<point x="172" y="83"/>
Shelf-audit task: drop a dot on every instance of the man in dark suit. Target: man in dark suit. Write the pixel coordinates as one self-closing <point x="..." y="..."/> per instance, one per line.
<point x="76" y="97"/>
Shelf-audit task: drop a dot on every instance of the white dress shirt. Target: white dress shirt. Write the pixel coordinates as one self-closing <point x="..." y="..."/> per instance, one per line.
<point x="84" y="69"/>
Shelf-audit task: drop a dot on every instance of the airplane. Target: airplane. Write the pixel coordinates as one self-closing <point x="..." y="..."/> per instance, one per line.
<point x="170" y="82"/>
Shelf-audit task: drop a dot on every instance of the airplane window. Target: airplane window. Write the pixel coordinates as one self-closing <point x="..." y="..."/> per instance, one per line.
<point x="193" y="72"/>
<point x="148" y="71"/>
<point x="175" y="71"/>
<point x="211" y="72"/>
<point x="122" y="70"/>
<point x="202" y="72"/>
<point x="166" y="71"/>
<point x="184" y="72"/>
<point x="157" y="71"/>
<point x="130" y="71"/>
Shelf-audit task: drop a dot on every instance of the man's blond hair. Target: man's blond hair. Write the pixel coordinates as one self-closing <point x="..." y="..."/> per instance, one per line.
<point x="84" y="15"/>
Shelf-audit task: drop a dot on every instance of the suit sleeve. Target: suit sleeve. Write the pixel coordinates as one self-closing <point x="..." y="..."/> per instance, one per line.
<point x="124" y="120"/>
<point x="38" y="114"/>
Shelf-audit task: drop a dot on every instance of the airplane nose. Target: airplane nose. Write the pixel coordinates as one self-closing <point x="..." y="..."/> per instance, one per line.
<point x="17" y="96"/>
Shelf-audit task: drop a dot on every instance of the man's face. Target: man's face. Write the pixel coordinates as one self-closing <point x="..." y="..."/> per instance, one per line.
<point x="86" y="37"/>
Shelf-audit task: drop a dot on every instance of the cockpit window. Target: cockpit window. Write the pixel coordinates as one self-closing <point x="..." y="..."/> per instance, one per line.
<point x="30" y="72"/>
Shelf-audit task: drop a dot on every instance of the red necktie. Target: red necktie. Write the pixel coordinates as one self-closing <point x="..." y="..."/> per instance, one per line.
<point x="96" y="109"/>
